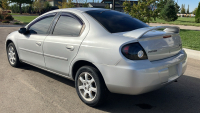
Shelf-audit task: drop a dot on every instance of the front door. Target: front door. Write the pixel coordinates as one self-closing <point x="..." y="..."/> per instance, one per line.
<point x="62" y="45"/>
<point x="31" y="44"/>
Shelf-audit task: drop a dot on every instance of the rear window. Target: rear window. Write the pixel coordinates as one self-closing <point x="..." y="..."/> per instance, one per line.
<point x="115" y="21"/>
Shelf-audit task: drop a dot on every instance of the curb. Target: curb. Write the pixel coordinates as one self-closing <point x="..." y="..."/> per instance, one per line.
<point x="12" y="25"/>
<point x="194" y="54"/>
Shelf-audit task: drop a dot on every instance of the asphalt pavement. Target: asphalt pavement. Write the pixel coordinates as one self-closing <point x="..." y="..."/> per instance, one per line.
<point x="31" y="90"/>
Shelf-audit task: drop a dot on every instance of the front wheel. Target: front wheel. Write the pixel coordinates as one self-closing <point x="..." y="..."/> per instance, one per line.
<point x="90" y="86"/>
<point x="12" y="55"/>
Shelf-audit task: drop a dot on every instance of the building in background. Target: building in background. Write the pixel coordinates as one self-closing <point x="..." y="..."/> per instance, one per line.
<point x="54" y="2"/>
<point x="118" y="3"/>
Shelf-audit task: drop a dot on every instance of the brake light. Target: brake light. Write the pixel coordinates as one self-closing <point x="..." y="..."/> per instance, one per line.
<point x="167" y="36"/>
<point x="134" y="51"/>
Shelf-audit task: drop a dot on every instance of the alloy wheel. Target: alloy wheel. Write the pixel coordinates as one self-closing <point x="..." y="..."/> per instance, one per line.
<point x="12" y="55"/>
<point x="87" y="86"/>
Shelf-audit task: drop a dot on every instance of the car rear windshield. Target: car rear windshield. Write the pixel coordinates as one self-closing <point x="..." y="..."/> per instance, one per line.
<point x="115" y="21"/>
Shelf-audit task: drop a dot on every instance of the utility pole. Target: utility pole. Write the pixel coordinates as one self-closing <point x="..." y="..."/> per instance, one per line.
<point x="113" y="5"/>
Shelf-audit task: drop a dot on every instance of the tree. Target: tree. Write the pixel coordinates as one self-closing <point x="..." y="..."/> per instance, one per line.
<point x="197" y="16"/>
<point x="0" y="3"/>
<point x="177" y="7"/>
<point x="194" y="12"/>
<point x="188" y="10"/>
<point x="65" y="4"/>
<point x="161" y="4"/>
<point x="85" y="4"/>
<point x="141" y="10"/>
<point x="20" y="2"/>
<point x="183" y="9"/>
<point x="38" y="5"/>
<point x="169" y="12"/>
<point x="5" y="4"/>
<point x="107" y="6"/>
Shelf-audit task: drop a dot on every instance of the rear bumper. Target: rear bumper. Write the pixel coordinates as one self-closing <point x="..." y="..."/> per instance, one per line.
<point x="137" y="77"/>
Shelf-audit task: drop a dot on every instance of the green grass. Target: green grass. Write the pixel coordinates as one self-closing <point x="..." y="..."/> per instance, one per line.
<point x="25" y="19"/>
<point x="14" y="14"/>
<point x="190" y="39"/>
<point x="188" y="21"/>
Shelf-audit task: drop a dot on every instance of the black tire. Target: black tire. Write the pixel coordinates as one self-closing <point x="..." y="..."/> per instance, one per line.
<point x="17" y="62"/>
<point x="102" y="91"/>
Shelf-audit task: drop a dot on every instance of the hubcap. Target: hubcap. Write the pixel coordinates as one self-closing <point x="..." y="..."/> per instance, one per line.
<point x="87" y="86"/>
<point x="11" y="55"/>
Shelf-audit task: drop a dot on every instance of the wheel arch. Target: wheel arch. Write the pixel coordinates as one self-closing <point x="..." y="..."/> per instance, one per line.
<point x="78" y="64"/>
<point x="8" y="42"/>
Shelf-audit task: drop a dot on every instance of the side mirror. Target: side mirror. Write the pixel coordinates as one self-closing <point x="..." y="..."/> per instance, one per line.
<point x="22" y="30"/>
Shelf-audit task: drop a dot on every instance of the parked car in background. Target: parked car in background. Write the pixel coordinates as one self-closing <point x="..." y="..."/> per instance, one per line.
<point x="101" y="50"/>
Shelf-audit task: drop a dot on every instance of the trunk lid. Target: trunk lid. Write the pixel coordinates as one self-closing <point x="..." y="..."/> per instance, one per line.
<point x="158" y="44"/>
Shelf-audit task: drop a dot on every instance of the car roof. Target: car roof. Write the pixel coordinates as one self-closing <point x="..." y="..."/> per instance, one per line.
<point x="80" y="9"/>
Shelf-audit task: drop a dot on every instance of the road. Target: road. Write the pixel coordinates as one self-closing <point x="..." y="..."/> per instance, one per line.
<point x="32" y="90"/>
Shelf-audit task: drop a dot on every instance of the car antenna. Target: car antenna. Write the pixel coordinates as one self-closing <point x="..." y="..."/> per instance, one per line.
<point x="103" y="11"/>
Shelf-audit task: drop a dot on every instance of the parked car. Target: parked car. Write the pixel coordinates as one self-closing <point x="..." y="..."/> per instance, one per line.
<point x="101" y="50"/>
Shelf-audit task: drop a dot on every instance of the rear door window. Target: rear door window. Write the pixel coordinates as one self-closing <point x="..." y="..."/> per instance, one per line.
<point x="115" y="21"/>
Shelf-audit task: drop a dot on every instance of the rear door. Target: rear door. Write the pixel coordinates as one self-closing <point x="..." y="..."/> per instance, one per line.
<point x="62" y="45"/>
<point x="30" y="45"/>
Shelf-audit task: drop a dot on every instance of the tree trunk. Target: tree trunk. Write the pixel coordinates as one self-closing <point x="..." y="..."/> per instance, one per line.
<point x="20" y="8"/>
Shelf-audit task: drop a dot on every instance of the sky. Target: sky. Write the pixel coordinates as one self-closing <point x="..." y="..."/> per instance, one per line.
<point x="192" y="3"/>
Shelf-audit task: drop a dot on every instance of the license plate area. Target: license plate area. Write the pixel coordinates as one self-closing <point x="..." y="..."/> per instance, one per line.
<point x="173" y="73"/>
<point x="173" y="70"/>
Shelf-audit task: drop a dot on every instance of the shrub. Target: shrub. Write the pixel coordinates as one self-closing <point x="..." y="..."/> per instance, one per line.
<point x="16" y="23"/>
<point x="197" y="16"/>
<point x="169" y="12"/>
<point x="15" y="8"/>
<point x="8" y="17"/>
<point x="5" y="21"/>
<point x="194" y="12"/>
<point x="1" y="10"/>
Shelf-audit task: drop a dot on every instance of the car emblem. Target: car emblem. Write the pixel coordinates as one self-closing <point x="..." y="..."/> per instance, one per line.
<point x="152" y="51"/>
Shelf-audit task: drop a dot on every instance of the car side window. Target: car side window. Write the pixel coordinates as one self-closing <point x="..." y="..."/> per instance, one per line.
<point x="41" y="26"/>
<point x="67" y="25"/>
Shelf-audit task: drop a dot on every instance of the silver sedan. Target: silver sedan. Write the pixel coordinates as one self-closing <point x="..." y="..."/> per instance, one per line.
<point x="101" y="50"/>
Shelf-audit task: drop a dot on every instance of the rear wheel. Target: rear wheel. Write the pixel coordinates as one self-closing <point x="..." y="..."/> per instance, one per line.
<point x="12" y="55"/>
<point x="90" y="86"/>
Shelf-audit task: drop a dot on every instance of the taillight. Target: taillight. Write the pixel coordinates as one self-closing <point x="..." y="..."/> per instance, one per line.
<point x="134" y="51"/>
<point x="167" y="36"/>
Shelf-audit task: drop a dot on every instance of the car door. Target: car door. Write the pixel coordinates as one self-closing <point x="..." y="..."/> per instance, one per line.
<point x="62" y="45"/>
<point x="30" y="44"/>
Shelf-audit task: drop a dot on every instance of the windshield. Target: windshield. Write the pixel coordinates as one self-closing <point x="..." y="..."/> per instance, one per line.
<point x="115" y="21"/>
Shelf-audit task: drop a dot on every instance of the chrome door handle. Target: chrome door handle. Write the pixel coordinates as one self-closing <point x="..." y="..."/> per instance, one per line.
<point x="38" y="43"/>
<point x="71" y="48"/>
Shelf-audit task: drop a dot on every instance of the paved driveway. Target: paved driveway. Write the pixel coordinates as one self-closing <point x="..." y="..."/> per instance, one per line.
<point x="31" y="90"/>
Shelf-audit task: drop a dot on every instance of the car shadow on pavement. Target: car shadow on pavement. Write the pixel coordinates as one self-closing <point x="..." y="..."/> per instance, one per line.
<point x="181" y="96"/>
<point x="51" y="75"/>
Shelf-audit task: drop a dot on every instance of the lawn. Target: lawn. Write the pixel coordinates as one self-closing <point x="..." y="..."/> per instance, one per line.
<point x="25" y="19"/>
<point x="14" y="14"/>
<point x="190" y="39"/>
<point x="188" y="21"/>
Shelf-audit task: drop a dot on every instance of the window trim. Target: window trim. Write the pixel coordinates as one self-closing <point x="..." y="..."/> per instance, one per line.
<point x="72" y="15"/>
<point x="55" y="14"/>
